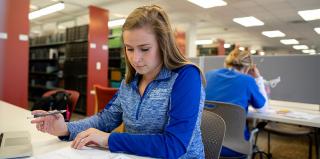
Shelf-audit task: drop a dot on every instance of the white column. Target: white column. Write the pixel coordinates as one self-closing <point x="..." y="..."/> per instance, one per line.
<point x="191" y="48"/>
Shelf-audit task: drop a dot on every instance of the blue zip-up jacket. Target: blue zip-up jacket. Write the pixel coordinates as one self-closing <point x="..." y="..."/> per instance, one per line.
<point x="164" y="122"/>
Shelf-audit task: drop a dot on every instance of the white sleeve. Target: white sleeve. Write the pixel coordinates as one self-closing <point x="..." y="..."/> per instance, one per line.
<point x="262" y="90"/>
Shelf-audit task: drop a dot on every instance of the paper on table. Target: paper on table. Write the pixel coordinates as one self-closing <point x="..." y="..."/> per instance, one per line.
<point x="300" y="115"/>
<point x="84" y="153"/>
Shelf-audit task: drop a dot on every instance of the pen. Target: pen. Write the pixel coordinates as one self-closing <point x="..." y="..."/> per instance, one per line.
<point x="49" y="113"/>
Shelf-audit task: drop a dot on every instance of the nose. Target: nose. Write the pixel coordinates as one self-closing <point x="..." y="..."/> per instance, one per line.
<point x="137" y="57"/>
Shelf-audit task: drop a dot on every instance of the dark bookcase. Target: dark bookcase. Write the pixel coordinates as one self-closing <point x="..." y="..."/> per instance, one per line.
<point x="66" y="61"/>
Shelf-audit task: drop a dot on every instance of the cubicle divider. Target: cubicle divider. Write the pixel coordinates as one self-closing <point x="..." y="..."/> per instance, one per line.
<point x="299" y="75"/>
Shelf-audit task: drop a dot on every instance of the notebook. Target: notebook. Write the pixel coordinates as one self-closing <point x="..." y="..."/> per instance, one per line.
<point x="15" y="144"/>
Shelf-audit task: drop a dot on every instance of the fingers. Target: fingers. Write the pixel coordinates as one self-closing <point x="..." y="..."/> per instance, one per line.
<point x="46" y="126"/>
<point x="83" y="142"/>
<point x="38" y="120"/>
<point x="80" y="139"/>
<point x="38" y="112"/>
<point x="40" y="126"/>
<point x="58" y="116"/>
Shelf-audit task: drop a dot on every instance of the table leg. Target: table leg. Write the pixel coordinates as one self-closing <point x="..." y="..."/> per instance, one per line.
<point x="317" y="141"/>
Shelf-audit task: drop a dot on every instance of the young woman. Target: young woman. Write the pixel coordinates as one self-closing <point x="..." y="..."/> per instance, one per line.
<point x="160" y="100"/>
<point x="239" y="83"/>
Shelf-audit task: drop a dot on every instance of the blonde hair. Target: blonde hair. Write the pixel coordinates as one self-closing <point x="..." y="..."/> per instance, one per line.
<point x="157" y="20"/>
<point x="238" y="59"/>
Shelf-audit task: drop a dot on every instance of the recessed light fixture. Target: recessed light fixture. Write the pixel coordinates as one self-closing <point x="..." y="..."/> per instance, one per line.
<point x="309" y="15"/>
<point x="114" y="23"/>
<point x="300" y="47"/>
<point x="208" y="3"/>
<point x="311" y="51"/>
<point x="289" y="41"/>
<point x="253" y="51"/>
<point x="203" y="42"/>
<point x="248" y="21"/>
<point x="47" y="10"/>
<point x="273" y="33"/>
<point x="262" y="53"/>
<point x="226" y="45"/>
<point x="317" y="30"/>
<point x="33" y="7"/>
<point x="61" y="27"/>
<point x="241" y="48"/>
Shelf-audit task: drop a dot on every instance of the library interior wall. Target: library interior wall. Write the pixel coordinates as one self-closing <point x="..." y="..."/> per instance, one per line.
<point x="98" y="34"/>
<point x="14" y="52"/>
<point x="300" y="75"/>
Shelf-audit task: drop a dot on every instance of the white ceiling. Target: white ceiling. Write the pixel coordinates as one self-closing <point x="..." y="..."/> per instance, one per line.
<point x="210" y="23"/>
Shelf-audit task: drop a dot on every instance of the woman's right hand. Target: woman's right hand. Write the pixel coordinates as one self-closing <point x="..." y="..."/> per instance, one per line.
<point x="254" y="71"/>
<point x="52" y="124"/>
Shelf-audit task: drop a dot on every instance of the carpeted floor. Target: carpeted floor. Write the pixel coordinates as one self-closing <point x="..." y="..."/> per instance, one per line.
<point x="286" y="147"/>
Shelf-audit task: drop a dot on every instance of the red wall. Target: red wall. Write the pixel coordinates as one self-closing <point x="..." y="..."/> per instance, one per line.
<point x="14" y="54"/>
<point x="98" y="34"/>
<point x="221" y="49"/>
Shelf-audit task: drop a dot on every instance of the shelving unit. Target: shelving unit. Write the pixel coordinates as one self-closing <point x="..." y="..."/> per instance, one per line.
<point x="116" y="58"/>
<point x="75" y="65"/>
<point x="75" y="60"/>
<point x="46" y="59"/>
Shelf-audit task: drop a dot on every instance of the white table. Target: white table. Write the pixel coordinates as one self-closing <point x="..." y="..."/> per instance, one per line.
<point x="301" y="114"/>
<point x="13" y="118"/>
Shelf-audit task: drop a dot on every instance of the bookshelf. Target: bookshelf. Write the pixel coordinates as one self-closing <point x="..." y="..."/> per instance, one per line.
<point x="46" y="59"/>
<point x="76" y="60"/>
<point x="117" y="66"/>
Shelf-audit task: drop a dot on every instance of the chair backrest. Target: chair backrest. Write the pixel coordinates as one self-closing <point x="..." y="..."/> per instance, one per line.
<point x="212" y="129"/>
<point x="235" y="119"/>
<point x="103" y="96"/>
<point x="74" y="96"/>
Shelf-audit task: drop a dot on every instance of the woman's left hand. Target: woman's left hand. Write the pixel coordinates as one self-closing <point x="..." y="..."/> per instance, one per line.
<point x="91" y="136"/>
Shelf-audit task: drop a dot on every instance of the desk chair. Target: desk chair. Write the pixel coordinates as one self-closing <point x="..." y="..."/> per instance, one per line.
<point x="235" y="119"/>
<point x="103" y="95"/>
<point x="74" y="96"/>
<point x="289" y="130"/>
<point x="213" y="129"/>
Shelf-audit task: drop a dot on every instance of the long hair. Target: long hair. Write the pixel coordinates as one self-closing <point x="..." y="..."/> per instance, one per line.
<point x="238" y="59"/>
<point x="157" y="20"/>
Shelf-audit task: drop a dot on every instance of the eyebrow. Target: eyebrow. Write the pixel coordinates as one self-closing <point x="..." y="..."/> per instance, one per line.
<point x="138" y="45"/>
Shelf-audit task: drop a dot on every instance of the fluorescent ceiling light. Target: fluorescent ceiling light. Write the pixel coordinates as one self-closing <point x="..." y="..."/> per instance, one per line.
<point x="262" y="53"/>
<point x="273" y="34"/>
<point x="226" y="45"/>
<point x="309" y="15"/>
<point x="311" y="51"/>
<point x="317" y="30"/>
<point x="248" y="21"/>
<point x="203" y="42"/>
<point x="46" y="10"/>
<point x="33" y="7"/>
<point x="300" y="47"/>
<point x="289" y="41"/>
<point x="241" y="48"/>
<point x="61" y="27"/>
<point x="114" y="23"/>
<point x="208" y="3"/>
<point x="253" y="51"/>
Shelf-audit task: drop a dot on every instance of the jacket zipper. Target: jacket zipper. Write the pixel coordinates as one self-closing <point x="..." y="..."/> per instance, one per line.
<point x="141" y="99"/>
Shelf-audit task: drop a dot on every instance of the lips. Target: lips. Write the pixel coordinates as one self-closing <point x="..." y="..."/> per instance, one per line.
<point x="139" y="66"/>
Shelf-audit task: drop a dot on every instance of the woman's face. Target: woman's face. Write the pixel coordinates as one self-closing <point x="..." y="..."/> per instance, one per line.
<point x="142" y="51"/>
